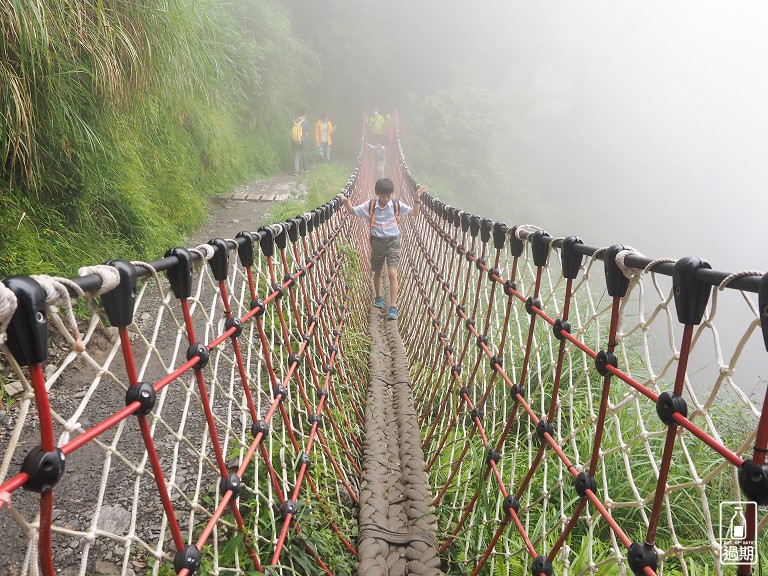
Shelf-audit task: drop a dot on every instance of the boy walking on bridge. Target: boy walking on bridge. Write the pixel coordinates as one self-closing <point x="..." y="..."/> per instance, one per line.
<point x="384" y="213"/>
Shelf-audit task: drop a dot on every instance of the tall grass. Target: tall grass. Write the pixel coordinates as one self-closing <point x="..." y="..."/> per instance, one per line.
<point x="119" y="118"/>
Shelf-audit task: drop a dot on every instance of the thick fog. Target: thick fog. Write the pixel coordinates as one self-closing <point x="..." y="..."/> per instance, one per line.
<point x="649" y="118"/>
<point x="646" y="123"/>
<point x="659" y="121"/>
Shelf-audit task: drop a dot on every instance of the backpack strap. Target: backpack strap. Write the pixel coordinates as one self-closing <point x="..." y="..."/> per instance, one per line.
<point x="397" y="212"/>
<point x="371" y="209"/>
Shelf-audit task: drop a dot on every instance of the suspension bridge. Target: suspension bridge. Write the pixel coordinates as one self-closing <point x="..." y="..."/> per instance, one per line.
<point x="541" y="407"/>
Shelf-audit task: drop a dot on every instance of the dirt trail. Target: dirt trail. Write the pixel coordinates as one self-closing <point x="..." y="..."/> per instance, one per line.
<point x="246" y="208"/>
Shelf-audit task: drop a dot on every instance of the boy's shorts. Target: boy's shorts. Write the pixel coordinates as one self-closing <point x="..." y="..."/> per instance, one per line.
<point x="385" y="249"/>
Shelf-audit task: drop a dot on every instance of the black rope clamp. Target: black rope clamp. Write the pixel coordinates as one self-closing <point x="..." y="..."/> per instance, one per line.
<point x="479" y="263"/>
<point x="492" y="456"/>
<point x="144" y="394"/>
<point x="499" y="235"/>
<point x="28" y="330"/>
<point x="453" y="296"/>
<point x="640" y="557"/>
<point x="245" y="250"/>
<point x="119" y="303"/>
<point x="570" y="258"/>
<point x="260" y="304"/>
<point x="691" y="295"/>
<point x="561" y="326"/>
<point x="460" y="310"/>
<point x="510" y="287"/>
<point x="448" y="349"/>
<point x="294" y="359"/>
<point x="511" y="504"/>
<point x="278" y="289"/>
<point x="180" y="274"/>
<point x="281" y="240"/>
<point x="486" y="224"/>
<point x="615" y="281"/>
<point x="266" y="241"/>
<point x="44" y="469"/>
<point x="200" y="351"/>
<point x="232" y="483"/>
<point x="442" y="335"/>
<point x="288" y="280"/>
<point x="516" y="245"/>
<point x="515" y="390"/>
<point x="496" y="362"/>
<point x="315" y="419"/>
<point x="477" y="413"/>
<point x="753" y="481"/>
<point x="332" y="348"/>
<point x="541" y="565"/>
<point x="304" y="460"/>
<point x="470" y="255"/>
<point x="463" y="392"/>
<point x="494" y="274"/>
<point x="288" y="507"/>
<point x="236" y="323"/>
<point x="188" y="558"/>
<point x="260" y="427"/>
<point x="530" y="303"/>
<point x="322" y="392"/>
<point x="219" y="263"/>
<point x="328" y="369"/>
<point x="281" y="391"/>
<point x="544" y="427"/>
<point x="584" y="482"/>
<point x="539" y="247"/>
<point x="456" y="370"/>
<point x="605" y="359"/>
<point x="482" y="340"/>
<point x="668" y="405"/>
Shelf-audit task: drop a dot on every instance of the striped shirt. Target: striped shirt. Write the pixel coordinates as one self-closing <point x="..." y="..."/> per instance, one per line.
<point x="384" y="221"/>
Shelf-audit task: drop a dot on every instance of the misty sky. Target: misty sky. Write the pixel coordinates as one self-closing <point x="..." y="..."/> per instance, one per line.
<point x="649" y="123"/>
<point x="651" y="117"/>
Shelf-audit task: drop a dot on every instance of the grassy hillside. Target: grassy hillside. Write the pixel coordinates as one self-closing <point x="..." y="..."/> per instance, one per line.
<point x="120" y="118"/>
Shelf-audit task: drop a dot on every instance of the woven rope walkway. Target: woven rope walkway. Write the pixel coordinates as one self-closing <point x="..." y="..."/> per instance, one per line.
<point x="397" y="523"/>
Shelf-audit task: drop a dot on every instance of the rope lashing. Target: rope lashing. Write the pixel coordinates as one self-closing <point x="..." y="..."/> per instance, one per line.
<point x="399" y="537"/>
<point x="57" y="294"/>
<point x="7" y="309"/>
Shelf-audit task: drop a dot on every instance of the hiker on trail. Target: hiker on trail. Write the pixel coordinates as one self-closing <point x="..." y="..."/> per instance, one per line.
<point x="380" y="155"/>
<point x="377" y="125"/>
<point x="299" y="139"/>
<point x="384" y="213"/>
<point x="323" y="130"/>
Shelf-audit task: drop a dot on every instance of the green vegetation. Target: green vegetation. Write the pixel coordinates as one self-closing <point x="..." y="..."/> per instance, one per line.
<point x="323" y="183"/>
<point x="694" y="509"/>
<point x="120" y="119"/>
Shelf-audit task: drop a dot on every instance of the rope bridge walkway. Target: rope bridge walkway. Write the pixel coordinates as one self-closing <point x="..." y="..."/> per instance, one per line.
<point x="545" y="407"/>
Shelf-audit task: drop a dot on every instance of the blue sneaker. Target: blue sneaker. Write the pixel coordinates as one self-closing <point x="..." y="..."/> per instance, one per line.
<point x="392" y="313"/>
<point x="378" y="302"/>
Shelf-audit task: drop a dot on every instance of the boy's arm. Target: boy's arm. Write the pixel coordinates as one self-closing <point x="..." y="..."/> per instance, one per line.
<point x="417" y="203"/>
<point x="346" y="203"/>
